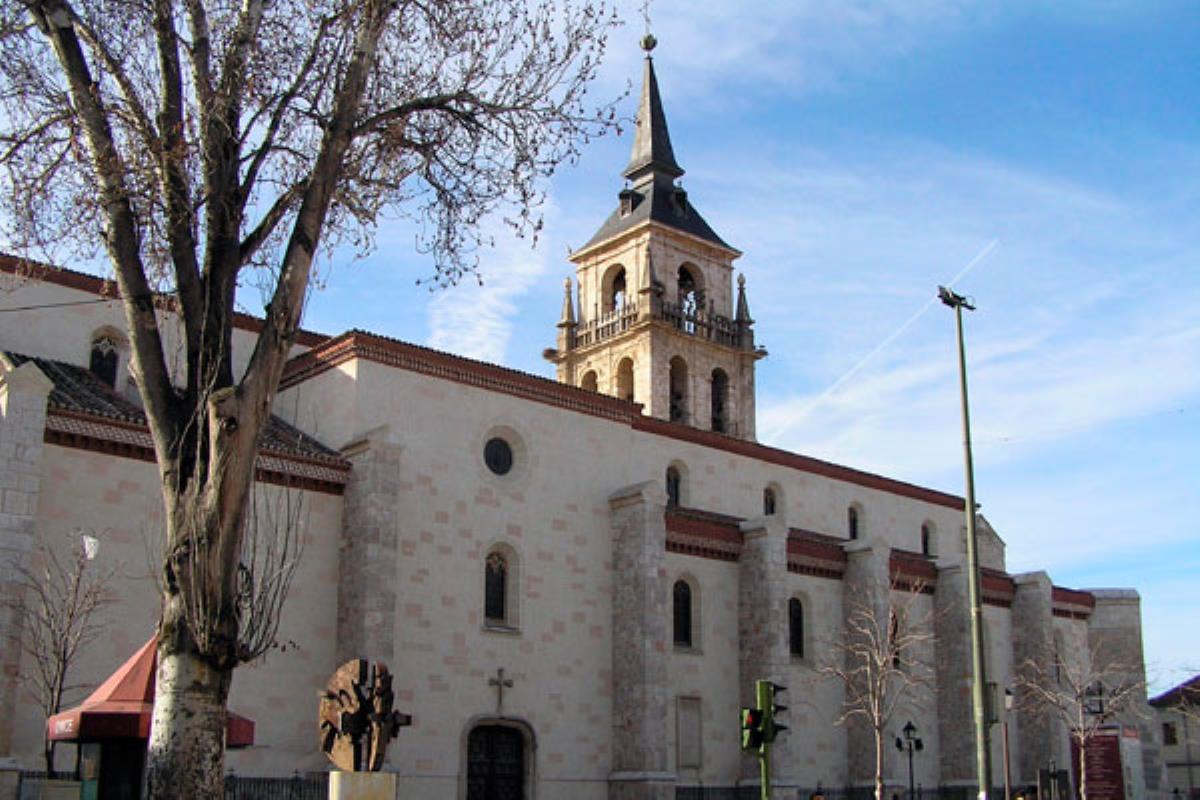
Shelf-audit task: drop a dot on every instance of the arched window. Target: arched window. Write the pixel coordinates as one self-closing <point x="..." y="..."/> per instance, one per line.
<point x="796" y="627"/>
<point x="103" y="362"/>
<point x="681" y="605"/>
<point x="768" y="501"/>
<point x="589" y="382"/>
<point x="894" y="638"/>
<point x="678" y="388"/>
<point x="625" y="379"/>
<point x="927" y="539"/>
<point x="613" y="293"/>
<point x="720" y="400"/>
<point x="689" y="299"/>
<point x="852" y="522"/>
<point x="495" y="589"/>
<point x="674" y="486"/>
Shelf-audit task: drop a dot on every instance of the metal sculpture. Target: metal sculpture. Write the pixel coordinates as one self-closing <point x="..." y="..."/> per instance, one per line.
<point x="356" y="716"/>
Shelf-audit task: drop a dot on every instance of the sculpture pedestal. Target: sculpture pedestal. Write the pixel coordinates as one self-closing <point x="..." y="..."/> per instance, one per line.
<point x="362" y="786"/>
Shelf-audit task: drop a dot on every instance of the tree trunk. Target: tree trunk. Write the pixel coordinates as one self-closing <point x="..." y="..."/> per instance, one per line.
<point x="186" y="752"/>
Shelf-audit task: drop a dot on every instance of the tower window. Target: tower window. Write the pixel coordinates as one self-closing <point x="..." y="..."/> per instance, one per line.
<point x="674" y="482"/>
<point x="618" y="291"/>
<point x="927" y="542"/>
<point x="768" y="502"/>
<point x="796" y="627"/>
<point x="852" y="522"/>
<point x="103" y="362"/>
<point x="681" y="604"/>
<point x="720" y="400"/>
<point x="625" y="379"/>
<point x="678" y="389"/>
<point x="495" y="585"/>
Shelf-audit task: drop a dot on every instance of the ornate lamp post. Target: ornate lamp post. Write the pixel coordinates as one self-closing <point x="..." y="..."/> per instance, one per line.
<point x="1008" y="705"/>
<point x="910" y="742"/>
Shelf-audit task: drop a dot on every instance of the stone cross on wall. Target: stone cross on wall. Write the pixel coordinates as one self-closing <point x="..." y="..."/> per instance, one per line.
<point x="501" y="683"/>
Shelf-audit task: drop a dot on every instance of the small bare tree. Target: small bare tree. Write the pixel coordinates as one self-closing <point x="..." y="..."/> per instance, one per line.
<point x="1083" y="694"/>
<point x="880" y="660"/>
<point x="59" y="600"/>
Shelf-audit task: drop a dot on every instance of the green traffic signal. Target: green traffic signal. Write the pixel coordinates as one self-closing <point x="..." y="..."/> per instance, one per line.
<point x="771" y="726"/>
<point x="752" y="728"/>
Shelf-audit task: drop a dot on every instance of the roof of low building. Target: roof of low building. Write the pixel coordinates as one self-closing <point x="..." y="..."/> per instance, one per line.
<point x="1185" y="694"/>
<point x="77" y="390"/>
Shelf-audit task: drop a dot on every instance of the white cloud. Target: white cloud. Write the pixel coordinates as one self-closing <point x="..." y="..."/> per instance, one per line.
<point x="476" y="320"/>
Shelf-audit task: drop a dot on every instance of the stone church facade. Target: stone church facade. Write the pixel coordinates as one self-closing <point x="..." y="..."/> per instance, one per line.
<point x="575" y="582"/>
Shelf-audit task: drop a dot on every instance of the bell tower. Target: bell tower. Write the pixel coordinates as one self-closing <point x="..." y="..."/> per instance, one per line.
<point x="654" y="318"/>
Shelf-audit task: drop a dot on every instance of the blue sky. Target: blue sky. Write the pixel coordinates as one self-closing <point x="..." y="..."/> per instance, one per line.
<point x="861" y="153"/>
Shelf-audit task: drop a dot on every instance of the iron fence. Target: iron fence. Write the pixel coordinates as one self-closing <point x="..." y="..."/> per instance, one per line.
<point x="312" y="786"/>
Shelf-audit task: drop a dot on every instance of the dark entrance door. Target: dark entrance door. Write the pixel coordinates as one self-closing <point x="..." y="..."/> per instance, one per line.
<point x="495" y="763"/>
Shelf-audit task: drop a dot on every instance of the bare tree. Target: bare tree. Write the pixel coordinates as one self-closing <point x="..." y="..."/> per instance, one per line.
<point x="212" y="143"/>
<point x="881" y="661"/>
<point x="59" y="600"/>
<point x="1083" y="693"/>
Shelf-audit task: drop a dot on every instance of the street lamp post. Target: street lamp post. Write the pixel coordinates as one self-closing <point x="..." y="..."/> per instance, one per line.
<point x="1008" y="704"/>
<point x="911" y="743"/>
<point x="983" y="755"/>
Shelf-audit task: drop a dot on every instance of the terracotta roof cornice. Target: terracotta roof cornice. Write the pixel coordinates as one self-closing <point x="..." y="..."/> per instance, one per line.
<point x="784" y="458"/>
<point x="1071" y="603"/>
<point x="415" y="358"/>
<point x="103" y="434"/>
<point x="423" y="360"/>
<point x="105" y="288"/>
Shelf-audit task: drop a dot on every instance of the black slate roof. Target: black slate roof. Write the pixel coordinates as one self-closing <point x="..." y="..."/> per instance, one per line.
<point x="658" y="202"/>
<point x="77" y="390"/>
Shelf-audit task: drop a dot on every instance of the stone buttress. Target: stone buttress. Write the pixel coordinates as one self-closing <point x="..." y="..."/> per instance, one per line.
<point x="640" y="765"/>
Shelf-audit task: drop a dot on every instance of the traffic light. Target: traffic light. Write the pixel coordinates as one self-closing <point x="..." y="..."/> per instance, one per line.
<point x="752" y="728"/>
<point x="771" y="725"/>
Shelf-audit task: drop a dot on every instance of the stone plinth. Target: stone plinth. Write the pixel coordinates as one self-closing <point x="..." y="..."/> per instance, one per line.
<point x="362" y="786"/>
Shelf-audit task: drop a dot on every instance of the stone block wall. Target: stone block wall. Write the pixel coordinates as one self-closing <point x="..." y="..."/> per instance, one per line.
<point x="641" y="712"/>
<point x="367" y="556"/>
<point x="762" y="631"/>
<point x="23" y="393"/>
<point x="1033" y="639"/>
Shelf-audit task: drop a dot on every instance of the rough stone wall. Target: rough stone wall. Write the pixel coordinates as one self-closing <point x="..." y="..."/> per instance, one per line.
<point x="640" y="613"/>
<point x="762" y="634"/>
<point x="866" y="582"/>
<point x="367" y="557"/>
<point x="1033" y="639"/>
<point x="1115" y="639"/>
<point x="23" y="393"/>
<point x="953" y="642"/>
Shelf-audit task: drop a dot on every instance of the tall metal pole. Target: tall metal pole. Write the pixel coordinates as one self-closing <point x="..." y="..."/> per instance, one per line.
<point x="911" y="791"/>
<point x="983" y="756"/>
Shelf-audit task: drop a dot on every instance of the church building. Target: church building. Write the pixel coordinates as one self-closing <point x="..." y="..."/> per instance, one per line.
<point x="576" y="582"/>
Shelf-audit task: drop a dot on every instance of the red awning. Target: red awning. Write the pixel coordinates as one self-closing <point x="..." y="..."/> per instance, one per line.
<point x="120" y="708"/>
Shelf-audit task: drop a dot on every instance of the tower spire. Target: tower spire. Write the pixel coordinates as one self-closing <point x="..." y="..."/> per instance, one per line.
<point x="652" y="155"/>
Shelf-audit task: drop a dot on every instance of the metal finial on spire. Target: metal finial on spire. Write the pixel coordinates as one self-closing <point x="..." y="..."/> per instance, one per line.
<point x="648" y="40"/>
